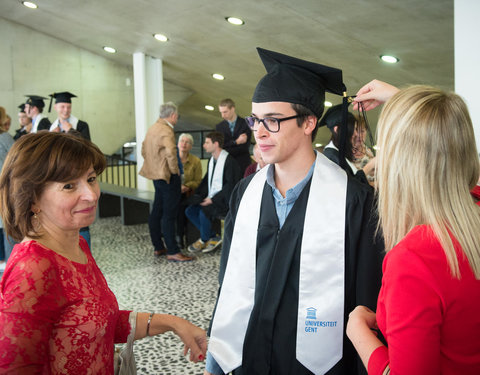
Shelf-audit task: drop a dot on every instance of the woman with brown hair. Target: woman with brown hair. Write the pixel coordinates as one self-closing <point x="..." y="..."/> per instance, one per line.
<point x="427" y="310"/>
<point x="57" y="313"/>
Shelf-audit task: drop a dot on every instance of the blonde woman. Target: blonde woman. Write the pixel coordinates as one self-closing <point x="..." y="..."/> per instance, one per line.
<point x="428" y="307"/>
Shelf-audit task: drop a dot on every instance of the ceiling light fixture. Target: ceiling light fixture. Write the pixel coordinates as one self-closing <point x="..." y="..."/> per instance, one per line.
<point x="389" y="59"/>
<point x="109" y="49"/>
<point x="235" y="21"/>
<point x="327" y="104"/>
<point x="318" y="145"/>
<point x="218" y="76"/>
<point x="160" y="37"/>
<point x="30" y="5"/>
<point x="209" y="107"/>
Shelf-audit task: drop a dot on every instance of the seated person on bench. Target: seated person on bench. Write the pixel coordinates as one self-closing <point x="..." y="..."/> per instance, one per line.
<point x="211" y="198"/>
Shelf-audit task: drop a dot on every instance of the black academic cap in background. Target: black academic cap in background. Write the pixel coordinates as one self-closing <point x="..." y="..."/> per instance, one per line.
<point x="22" y="107"/>
<point x="61" y="97"/>
<point x="333" y="117"/>
<point x="35" y="101"/>
<point x="297" y="81"/>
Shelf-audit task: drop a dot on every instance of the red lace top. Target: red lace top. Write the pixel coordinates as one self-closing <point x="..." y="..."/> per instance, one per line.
<point x="57" y="316"/>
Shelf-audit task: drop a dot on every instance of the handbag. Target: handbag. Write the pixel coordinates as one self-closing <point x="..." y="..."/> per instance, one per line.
<point x="124" y="359"/>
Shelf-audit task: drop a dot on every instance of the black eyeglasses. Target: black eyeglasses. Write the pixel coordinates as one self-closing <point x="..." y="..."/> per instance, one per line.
<point x="272" y="124"/>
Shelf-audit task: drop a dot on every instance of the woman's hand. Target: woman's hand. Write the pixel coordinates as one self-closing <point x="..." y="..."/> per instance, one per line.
<point x="194" y="339"/>
<point x="373" y="94"/>
<point x="361" y="321"/>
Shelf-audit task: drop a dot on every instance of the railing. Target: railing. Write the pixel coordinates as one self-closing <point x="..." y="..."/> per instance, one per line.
<point x="122" y="169"/>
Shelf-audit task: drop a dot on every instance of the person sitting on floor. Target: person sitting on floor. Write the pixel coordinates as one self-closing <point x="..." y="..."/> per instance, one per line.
<point x="212" y="196"/>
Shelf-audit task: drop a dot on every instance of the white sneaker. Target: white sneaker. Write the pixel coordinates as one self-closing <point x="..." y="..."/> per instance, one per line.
<point x="197" y="246"/>
<point x="212" y="244"/>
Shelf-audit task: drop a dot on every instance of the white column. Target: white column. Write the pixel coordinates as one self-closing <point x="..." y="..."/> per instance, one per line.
<point x="148" y="91"/>
<point x="467" y="58"/>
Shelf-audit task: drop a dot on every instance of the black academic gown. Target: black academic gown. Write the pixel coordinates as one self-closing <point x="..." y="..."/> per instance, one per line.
<point x="44" y="124"/>
<point x="270" y="341"/>
<point x="241" y="153"/>
<point x="333" y="155"/>
<point x="82" y="128"/>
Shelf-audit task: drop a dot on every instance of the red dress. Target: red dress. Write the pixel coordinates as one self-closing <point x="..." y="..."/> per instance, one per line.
<point x="430" y="320"/>
<point x="476" y="193"/>
<point x="57" y="316"/>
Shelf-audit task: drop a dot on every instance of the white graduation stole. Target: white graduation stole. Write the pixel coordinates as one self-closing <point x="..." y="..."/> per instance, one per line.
<point x="321" y="283"/>
<point x="73" y="121"/>
<point x="215" y="184"/>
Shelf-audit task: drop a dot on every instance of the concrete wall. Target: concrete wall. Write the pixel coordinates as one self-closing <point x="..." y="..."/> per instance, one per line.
<point x="35" y="63"/>
<point x="467" y="59"/>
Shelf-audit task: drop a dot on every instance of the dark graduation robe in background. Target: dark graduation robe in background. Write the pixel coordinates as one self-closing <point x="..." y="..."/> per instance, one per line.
<point x="82" y="128"/>
<point x="334" y="156"/>
<point x="270" y="340"/>
<point x="44" y="124"/>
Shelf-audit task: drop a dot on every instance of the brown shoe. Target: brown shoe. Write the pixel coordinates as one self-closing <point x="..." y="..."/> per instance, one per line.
<point x="158" y="253"/>
<point x="178" y="257"/>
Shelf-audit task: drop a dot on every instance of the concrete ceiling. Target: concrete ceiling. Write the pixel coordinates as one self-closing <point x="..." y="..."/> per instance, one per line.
<point x="349" y="35"/>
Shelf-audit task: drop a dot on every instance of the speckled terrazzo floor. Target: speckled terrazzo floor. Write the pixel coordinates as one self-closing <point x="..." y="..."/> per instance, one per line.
<point x="144" y="283"/>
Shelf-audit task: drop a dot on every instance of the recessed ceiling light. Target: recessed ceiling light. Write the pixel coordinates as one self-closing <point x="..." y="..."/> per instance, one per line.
<point x="30" y="5"/>
<point x="389" y="59"/>
<point x="218" y="76"/>
<point x="209" y="107"/>
<point x="160" y="37"/>
<point x="109" y="49"/>
<point x="235" y="21"/>
<point x="327" y="104"/>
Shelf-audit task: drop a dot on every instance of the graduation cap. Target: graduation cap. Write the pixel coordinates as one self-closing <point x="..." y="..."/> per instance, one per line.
<point x="297" y="81"/>
<point x="35" y="101"/>
<point x="22" y="107"/>
<point x="333" y="117"/>
<point x="61" y="97"/>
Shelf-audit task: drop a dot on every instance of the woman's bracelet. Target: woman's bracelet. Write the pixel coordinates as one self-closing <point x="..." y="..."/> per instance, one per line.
<point x="148" y="323"/>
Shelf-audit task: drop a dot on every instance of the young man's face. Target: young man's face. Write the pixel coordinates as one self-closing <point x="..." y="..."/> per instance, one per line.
<point x="278" y="147"/>
<point x="209" y="146"/>
<point x="64" y="110"/>
<point x="23" y="119"/>
<point x="227" y="113"/>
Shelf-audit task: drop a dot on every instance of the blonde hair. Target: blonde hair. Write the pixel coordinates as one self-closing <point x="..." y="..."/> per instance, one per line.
<point x="3" y="120"/>
<point x="427" y="164"/>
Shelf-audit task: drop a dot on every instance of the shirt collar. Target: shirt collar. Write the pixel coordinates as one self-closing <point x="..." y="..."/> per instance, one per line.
<point x="293" y="193"/>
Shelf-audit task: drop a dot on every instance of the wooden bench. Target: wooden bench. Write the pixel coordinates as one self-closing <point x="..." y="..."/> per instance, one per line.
<point x="132" y="205"/>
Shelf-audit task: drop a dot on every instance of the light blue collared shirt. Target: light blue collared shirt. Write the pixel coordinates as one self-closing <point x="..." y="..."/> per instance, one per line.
<point x="231" y="124"/>
<point x="283" y="206"/>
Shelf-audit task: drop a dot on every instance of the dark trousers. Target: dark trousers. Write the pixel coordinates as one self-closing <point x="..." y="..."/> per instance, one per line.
<point x="161" y="221"/>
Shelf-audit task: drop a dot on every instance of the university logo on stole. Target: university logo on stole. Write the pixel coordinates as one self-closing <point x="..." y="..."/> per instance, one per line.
<point x="312" y="323"/>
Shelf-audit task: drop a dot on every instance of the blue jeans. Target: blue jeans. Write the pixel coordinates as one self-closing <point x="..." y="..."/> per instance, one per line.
<point x="163" y="217"/>
<point x="198" y="218"/>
